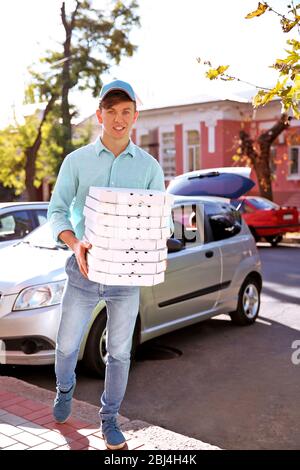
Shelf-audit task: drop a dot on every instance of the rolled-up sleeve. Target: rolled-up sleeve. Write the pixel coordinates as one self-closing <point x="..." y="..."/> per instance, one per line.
<point x="157" y="182"/>
<point x="63" y="194"/>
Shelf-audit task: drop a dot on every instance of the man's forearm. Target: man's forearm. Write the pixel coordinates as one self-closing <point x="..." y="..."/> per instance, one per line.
<point x="68" y="237"/>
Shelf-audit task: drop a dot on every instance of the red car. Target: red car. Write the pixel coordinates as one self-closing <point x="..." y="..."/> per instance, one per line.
<point x="267" y="219"/>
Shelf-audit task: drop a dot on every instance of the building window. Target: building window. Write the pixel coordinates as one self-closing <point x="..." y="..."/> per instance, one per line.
<point x="193" y="143"/>
<point x="294" y="161"/>
<point x="144" y="142"/>
<point x="168" y="154"/>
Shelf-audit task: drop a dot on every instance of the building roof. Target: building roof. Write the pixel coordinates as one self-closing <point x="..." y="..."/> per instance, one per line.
<point x="241" y="97"/>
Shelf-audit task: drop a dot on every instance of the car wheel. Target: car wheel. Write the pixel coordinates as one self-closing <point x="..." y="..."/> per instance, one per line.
<point x="95" y="353"/>
<point x="274" y="240"/>
<point x="248" y="303"/>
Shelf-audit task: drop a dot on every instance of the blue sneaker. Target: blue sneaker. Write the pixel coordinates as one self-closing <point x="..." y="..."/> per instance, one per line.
<point x="112" y="435"/>
<point x="62" y="405"/>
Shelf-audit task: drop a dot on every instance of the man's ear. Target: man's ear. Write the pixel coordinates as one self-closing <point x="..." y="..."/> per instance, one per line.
<point x="136" y="115"/>
<point x="99" y="116"/>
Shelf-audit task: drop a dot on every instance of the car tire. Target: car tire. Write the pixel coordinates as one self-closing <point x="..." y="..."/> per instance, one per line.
<point x="95" y="354"/>
<point x="248" y="303"/>
<point x="274" y="240"/>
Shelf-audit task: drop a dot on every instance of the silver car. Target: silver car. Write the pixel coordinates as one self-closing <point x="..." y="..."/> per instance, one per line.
<point x="213" y="268"/>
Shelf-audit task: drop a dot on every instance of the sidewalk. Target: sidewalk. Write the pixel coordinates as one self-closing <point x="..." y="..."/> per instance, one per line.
<point x="291" y="237"/>
<point x="26" y="422"/>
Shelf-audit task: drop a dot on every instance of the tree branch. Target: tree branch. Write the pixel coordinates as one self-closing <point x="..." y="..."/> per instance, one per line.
<point x="35" y="146"/>
<point x="270" y="135"/>
<point x="63" y="17"/>
<point x="74" y="14"/>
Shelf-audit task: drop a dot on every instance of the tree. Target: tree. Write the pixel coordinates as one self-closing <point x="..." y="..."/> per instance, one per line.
<point x="29" y="153"/>
<point x="258" y="152"/>
<point x="94" y="40"/>
<point x="287" y="89"/>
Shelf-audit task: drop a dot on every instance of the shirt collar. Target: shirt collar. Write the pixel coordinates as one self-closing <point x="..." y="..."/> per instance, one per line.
<point x="130" y="149"/>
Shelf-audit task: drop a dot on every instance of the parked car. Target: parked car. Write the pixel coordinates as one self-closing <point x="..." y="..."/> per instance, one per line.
<point x="213" y="268"/>
<point x="266" y="219"/>
<point x="18" y="219"/>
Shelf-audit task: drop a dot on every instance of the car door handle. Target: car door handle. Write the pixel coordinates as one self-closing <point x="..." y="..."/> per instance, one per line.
<point x="209" y="254"/>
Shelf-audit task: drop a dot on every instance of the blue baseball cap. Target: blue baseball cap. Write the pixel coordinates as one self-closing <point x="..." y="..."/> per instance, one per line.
<point x="118" y="85"/>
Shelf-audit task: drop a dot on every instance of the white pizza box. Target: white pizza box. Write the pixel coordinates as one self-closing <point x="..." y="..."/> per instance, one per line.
<point x="127" y="233"/>
<point x="131" y="196"/>
<point x="125" y="268"/>
<point x="125" y="244"/>
<point x="128" y="209"/>
<point x="128" y="256"/>
<point x="126" y="279"/>
<point x="104" y="207"/>
<point x="125" y="220"/>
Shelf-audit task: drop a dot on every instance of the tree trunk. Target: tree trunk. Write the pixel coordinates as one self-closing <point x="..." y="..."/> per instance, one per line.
<point x="263" y="172"/>
<point x="260" y="164"/>
<point x="261" y="159"/>
<point x="66" y="79"/>
<point x="65" y="106"/>
<point x="30" y="193"/>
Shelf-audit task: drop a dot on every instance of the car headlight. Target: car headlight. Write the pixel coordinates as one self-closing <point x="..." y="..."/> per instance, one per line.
<point x="40" y="296"/>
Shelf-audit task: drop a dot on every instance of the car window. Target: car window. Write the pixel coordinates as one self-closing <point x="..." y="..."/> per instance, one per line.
<point x="225" y="222"/>
<point x="14" y="225"/>
<point x="188" y="223"/>
<point x="41" y="215"/>
<point x="263" y="203"/>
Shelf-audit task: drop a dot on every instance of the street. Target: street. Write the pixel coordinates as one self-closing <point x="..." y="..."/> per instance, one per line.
<point x="234" y="387"/>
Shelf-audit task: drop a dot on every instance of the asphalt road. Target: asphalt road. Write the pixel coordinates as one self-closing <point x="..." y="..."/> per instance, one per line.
<point x="234" y="387"/>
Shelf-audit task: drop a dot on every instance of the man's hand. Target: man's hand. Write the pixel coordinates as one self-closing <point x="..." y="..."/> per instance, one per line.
<point x="80" y="248"/>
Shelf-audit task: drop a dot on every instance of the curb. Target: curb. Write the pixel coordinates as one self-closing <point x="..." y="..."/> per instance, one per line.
<point x="153" y="437"/>
<point x="291" y="240"/>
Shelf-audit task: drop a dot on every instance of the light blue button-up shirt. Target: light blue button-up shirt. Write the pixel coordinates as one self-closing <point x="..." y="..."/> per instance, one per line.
<point x="95" y="165"/>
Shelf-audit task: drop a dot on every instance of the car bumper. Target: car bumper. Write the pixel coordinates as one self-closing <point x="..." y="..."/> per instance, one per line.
<point x="19" y="358"/>
<point x="40" y="325"/>
<point x="275" y="229"/>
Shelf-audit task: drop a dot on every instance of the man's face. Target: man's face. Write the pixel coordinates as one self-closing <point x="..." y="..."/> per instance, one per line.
<point x="118" y="120"/>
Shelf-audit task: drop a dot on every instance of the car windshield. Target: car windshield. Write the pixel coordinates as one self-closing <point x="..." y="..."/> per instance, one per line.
<point x="263" y="203"/>
<point x="42" y="237"/>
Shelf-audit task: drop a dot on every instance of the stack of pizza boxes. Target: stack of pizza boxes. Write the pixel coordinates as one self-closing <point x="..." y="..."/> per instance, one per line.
<point x="128" y="230"/>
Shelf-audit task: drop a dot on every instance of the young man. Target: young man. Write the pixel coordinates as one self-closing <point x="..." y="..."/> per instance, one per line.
<point x="113" y="160"/>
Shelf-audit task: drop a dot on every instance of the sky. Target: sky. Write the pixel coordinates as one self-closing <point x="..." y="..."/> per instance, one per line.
<point x="164" y="70"/>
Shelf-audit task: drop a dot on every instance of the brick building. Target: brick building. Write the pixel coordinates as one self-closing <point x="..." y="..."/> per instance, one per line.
<point x="203" y="134"/>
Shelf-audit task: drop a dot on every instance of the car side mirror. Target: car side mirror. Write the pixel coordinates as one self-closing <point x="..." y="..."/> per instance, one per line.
<point x="174" y="245"/>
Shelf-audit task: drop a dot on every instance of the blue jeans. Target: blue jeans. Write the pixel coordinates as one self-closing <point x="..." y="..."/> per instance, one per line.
<point x="79" y="300"/>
